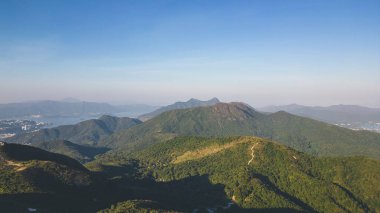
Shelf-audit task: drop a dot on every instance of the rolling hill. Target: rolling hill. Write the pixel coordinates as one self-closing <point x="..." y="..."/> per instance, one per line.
<point x="244" y="174"/>
<point x="238" y="119"/>
<point x="179" y="105"/>
<point x="32" y="179"/>
<point x="88" y="132"/>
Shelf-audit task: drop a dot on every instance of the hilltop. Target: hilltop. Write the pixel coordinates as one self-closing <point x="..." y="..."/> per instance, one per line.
<point x="179" y="105"/>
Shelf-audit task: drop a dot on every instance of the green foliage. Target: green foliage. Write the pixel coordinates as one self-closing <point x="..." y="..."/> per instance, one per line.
<point x="249" y="172"/>
<point x="88" y="132"/>
<point x="80" y="153"/>
<point x="278" y="177"/>
<point x="134" y="206"/>
<point x="17" y="152"/>
<point x="12" y="181"/>
<point x="29" y="169"/>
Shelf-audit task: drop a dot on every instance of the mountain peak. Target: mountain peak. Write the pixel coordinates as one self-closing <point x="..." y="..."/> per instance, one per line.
<point x="194" y="100"/>
<point x="180" y="105"/>
<point x="71" y="100"/>
<point x="214" y="99"/>
<point x="239" y="105"/>
<point x="235" y="109"/>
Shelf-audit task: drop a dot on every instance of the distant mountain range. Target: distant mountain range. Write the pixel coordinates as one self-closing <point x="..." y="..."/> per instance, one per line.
<point x="179" y="105"/>
<point x="332" y="114"/>
<point x="68" y="108"/>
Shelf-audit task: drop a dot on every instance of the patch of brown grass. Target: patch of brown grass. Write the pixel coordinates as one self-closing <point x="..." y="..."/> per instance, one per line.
<point x="213" y="149"/>
<point x="18" y="166"/>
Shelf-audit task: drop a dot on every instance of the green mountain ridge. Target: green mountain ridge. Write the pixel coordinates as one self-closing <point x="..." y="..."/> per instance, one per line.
<point x="252" y="173"/>
<point x="88" y="132"/>
<point x="191" y="103"/>
<point x="239" y="119"/>
<point x="78" y="152"/>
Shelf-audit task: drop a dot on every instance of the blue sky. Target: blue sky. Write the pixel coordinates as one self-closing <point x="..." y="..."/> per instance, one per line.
<point x="160" y="51"/>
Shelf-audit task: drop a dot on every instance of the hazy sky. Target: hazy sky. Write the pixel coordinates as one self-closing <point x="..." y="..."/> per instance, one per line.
<point x="261" y="52"/>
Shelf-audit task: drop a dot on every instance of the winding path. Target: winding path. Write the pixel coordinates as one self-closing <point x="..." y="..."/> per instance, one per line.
<point x="252" y="154"/>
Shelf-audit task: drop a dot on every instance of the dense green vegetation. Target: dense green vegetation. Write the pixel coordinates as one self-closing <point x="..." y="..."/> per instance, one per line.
<point x="28" y="173"/>
<point x="237" y="119"/>
<point x="80" y="153"/>
<point x="135" y="206"/>
<point x="88" y="132"/>
<point x="233" y="174"/>
<point x="49" y="182"/>
<point x="277" y="177"/>
<point x="21" y="153"/>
